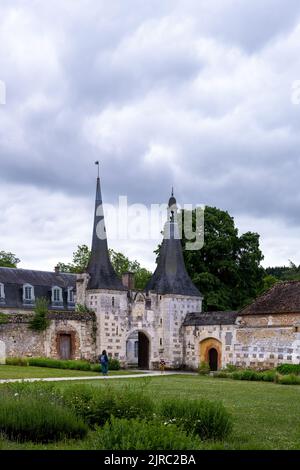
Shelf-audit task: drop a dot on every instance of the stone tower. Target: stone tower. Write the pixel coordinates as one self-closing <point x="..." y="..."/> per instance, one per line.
<point x="139" y="327"/>
<point x="101" y="290"/>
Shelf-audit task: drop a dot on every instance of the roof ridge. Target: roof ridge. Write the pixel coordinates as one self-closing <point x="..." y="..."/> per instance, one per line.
<point x="36" y="271"/>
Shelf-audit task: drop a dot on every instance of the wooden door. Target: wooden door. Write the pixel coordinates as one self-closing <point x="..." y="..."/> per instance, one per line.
<point x="65" y="346"/>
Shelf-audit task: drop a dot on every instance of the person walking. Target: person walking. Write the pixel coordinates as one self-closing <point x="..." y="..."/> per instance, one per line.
<point x="103" y="358"/>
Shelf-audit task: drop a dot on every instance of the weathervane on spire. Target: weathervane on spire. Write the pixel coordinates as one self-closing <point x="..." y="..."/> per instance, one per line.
<point x="97" y="163"/>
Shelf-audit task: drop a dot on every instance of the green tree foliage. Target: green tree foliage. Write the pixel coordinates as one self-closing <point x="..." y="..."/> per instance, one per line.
<point x="40" y="321"/>
<point x="285" y="273"/>
<point x="8" y="260"/>
<point x="268" y="282"/>
<point x="227" y="269"/>
<point x="80" y="261"/>
<point x="120" y="262"/>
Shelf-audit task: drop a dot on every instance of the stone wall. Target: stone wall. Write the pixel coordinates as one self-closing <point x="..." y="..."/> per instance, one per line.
<point x="256" y="341"/>
<point x="267" y="340"/>
<point x="121" y="314"/>
<point x="20" y="341"/>
<point x="199" y="339"/>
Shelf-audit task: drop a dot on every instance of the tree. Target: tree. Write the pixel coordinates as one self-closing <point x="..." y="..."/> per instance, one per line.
<point x="80" y="261"/>
<point x="285" y="273"/>
<point x="120" y="262"/>
<point x="8" y="260"/>
<point x="40" y="322"/>
<point x="268" y="282"/>
<point x="227" y="269"/>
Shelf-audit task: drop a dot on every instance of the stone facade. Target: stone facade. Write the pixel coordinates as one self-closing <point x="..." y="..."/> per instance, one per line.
<point x="256" y="341"/>
<point x="165" y="321"/>
<point x="20" y="341"/>
<point x="123" y="314"/>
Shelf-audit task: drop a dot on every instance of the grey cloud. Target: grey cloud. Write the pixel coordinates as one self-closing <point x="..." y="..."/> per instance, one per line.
<point x="194" y="94"/>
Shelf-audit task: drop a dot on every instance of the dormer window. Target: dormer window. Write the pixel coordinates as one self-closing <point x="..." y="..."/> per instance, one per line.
<point x="28" y="293"/>
<point x="71" y="298"/>
<point x="2" y="293"/>
<point x="56" y="295"/>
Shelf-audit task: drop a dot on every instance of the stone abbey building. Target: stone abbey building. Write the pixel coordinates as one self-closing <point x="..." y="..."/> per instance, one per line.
<point x="141" y="327"/>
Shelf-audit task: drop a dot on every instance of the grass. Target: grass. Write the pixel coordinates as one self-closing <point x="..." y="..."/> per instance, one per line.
<point x="265" y="415"/>
<point x="16" y="372"/>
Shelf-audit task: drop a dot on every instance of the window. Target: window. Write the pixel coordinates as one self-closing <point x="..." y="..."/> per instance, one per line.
<point x="70" y="295"/>
<point x="2" y="293"/>
<point x="56" y="294"/>
<point x="28" y="293"/>
<point x="113" y="301"/>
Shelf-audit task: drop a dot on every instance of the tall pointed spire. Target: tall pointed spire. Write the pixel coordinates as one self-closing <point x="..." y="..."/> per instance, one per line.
<point x="100" y="269"/>
<point x="171" y="276"/>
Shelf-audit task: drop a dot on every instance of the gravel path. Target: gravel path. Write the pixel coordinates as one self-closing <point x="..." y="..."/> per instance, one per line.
<point x="100" y="377"/>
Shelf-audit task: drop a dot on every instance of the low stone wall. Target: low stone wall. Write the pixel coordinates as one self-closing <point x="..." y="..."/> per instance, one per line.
<point x="20" y="341"/>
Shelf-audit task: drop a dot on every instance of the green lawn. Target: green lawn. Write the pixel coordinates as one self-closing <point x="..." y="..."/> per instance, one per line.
<point x="266" y="415"/>
<point x="16" y="372"/>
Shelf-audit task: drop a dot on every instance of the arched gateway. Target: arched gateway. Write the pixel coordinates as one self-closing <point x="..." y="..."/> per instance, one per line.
<point x="210" y="351"/>
<point x="138" y="350"/>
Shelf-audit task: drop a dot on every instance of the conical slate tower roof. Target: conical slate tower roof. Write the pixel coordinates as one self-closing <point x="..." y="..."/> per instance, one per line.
<point x="171" y="276"/>
<point x="103" y="275"/>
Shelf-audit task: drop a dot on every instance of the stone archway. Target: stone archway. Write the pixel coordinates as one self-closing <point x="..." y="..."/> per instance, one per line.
<point x="2" y="352"/>
<point x="138" y="350"/>
<point x="211" y="353"/>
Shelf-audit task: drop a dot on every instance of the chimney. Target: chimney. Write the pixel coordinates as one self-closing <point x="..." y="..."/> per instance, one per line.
<point x="128" y="280"/>
<point x="56" y="269"/>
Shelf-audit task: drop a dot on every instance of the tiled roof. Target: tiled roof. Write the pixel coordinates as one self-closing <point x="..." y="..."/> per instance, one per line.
<point x="283" y="297"/>
<point x="42" y="281"/>
<point x="210" y="318"/>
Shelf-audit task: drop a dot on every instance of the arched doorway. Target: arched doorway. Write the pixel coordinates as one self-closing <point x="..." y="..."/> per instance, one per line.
<point x="138" y="350"/>
<point x="210" y="351"/>
<point x="213" y="359"/>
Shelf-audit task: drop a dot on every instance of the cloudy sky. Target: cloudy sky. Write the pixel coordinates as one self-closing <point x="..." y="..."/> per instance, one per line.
<point x="191" y="93"/>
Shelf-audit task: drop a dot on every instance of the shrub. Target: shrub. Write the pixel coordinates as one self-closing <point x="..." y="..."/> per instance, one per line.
<point x="16" y="361"/>
<point x="97" y="406"/>
<point x="250" y="375"/>
<point x="289" y="379"/>
<point x="230" y="368"/>
<point x="203" y="368"/>
<point x="268" y="376"/>
<point x="122" y="434"/>
<point x="40" y="321"/>
<point x="95" y="367"/>
<point x="59" y="364"/>
<point x="114" y="364"/>
<point x="222" y="375"/>
<point x="4" y="318"/>
<point x="285" y="369"/>
<point x="209" y="420"/>
<point x="32" y="419"/>
<point x="80" y="308"/>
